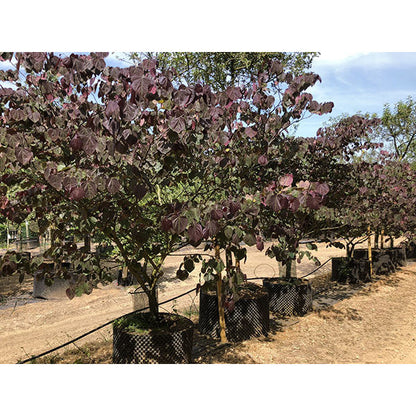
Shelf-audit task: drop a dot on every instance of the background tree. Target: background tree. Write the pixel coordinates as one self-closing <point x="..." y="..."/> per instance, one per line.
<point x="223" y="69"/>
<point x="398" y="129"/>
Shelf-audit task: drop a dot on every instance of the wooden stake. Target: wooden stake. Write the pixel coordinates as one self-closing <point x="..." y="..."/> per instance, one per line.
<point x="382" y="239"/>
<point x="223" y="336"/>
<point x="370" y="257"/>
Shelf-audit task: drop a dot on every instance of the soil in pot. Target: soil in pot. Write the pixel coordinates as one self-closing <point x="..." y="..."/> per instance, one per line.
<point x="289" y="296"/>
<point x="142" y="339"/>
<point x="246" y="316"/>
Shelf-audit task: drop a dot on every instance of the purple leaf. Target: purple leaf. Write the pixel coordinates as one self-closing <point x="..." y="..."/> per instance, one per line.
<point x="23" y="156"/>
<point x="212" y="228"/>
<point x="76" y="143"/>
<point x="195" y="233"/>
<point x="70" y="293"/>
<point x="233" y="93"/>
<point x="303" y="184"/>
<point x="166" y="224"/>
<point x="90" y="189"/>
<point x="276" y="68"/>
<point x="250" y="132"/>
<point x="277" y="202"/>
<point x="327" y="107"/>
<point x="235" y="206"/>
<point x="179" y="224"/>
<point x="77" y="193"/>
<point x="259" y="243"/>
<point x="113" y="186"/>
<point x="55" y="181"/>
<point x="139" y="191"/>
<point x="68" y="182"/>
<point x="216" y="214"/>
<point x="294" y="204"/>
<point x="112" y="109"/>
<point x="322" y="189"/>
<point x="89" y="145"/>
<point x="262" y="160"/>
<point x="184" y="97"/>
<point x="286" y="180"/>
<point x="313" y="202"/>
<point x="177" y="124"/>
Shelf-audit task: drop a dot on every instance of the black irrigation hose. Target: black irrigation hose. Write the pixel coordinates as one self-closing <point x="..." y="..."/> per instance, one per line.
<point x="96" y="329"/>
<point x="130" y="313"/>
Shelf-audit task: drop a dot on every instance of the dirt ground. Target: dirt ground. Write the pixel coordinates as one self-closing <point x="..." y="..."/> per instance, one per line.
<point x="372" y="323"/>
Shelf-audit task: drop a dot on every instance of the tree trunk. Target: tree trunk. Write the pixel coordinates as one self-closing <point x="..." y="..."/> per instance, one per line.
<point x="221" y="313"/>
<point x="7" y="236"/>
<point x="289" y="269"/>
<point x="153" y="304"/>
<point x="229" y="266"/>
<point x="370" y="257"/>
<point x="391" y="242"/>
<point x="376" y="237"/>
<point x="350" y="249"/>
<point x="87" y="243"/>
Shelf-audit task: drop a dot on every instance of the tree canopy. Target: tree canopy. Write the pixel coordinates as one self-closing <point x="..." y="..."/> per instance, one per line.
<point x="223" y="69"/>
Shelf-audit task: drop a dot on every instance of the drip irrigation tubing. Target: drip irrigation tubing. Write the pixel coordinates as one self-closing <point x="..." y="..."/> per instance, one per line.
<point x="127" y="314"/>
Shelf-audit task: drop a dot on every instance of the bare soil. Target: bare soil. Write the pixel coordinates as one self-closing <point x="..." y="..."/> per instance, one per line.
<point x="372" y="323"/>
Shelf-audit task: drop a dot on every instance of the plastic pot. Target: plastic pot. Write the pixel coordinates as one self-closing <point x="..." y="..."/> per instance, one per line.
<point x="397" y="256"/>
<point x="167" y="342"/>
<point x="289" y="296"/>
<point x="249" y="316"/>
<point x="342" y="269"/>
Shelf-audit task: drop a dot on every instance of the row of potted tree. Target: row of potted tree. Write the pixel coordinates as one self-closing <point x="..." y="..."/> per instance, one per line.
<point x="151" y="164"/>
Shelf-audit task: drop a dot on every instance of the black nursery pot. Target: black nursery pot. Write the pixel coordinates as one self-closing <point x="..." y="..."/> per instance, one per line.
<point x="130" y="280"/>
<point x="169" y="341"/>
<point x="381" y="261"/>
<point x="397" y="256"/>
<point x="289" y="297"/>
<point x="342" y="269"/>
<point x="411" y="250"/>
<point x="249" y="317"/>
<point x="350" y="270"/>
<point x="362" y="253"/>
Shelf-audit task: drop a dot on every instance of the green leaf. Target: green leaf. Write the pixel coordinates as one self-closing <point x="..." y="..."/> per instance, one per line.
<point x="189" y="265"/>
<point x="249" y="239"/>
<point x="228" y="232"/>
<point x="219" y="266"/>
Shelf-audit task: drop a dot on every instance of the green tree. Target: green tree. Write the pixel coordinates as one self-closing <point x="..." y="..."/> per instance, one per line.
<point x="398" y="128"/>
<point x="223" y="69"/>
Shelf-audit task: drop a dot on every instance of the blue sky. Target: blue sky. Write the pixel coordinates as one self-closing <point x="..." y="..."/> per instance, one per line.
<point x="360" y="82"/>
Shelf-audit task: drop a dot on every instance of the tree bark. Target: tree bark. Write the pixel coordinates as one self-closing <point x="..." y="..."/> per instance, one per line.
<point x="153" y="303"/>
<point x="289" y="269"/>
<point x="87" y="243"/>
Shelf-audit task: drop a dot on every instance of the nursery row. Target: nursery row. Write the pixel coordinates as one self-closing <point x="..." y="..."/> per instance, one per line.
<point x="143" y="163"/>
